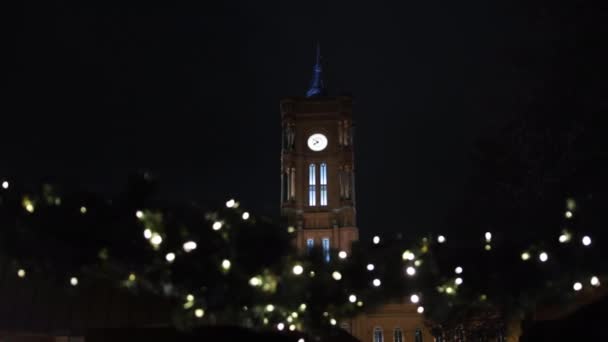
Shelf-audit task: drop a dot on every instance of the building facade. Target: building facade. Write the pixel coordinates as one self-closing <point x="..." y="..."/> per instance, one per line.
<point x="318" y="196"/>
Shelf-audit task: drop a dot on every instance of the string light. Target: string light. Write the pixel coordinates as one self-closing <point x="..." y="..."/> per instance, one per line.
<point x="217" y="225"/>
<point x="199" y="313"/>
<point x="543" y="257"/>
<point x="270" y="308"/>
<point x="298" y="269"/>
<point x="342" y="255"/>
<point x="595" y="281"/>
<point x="302" y="307"/>
<point x="458" y="281"/>
<point x="420" y="309"/>
<point x="255" y="281"/>
<point x="488" y="247"/>
<point x="170" y="257"/>
<point x="289" y="319"/>
<point x="449" y="290"/>
<point x="5" y="185"/>
<point x="245" y="216"/>
<point x="74" y="281"/>
<point x="577" y="286"/>
<point x="333" y="321"/>
<point x="226" y="264"/>
<point x="376" y="282"/>
<point x="586" y="240"/>
<point x="407" y="255"/>
<point x="336" y="275"/>
<point x="417" y="263"/>
<point x="359" y="303"/>
<point x="352" y="298"/>
<point x="132" y="277"/>
<point x="189" y="246"/>
<point x="525" y="256"/>
<point x="376" y="240"/>
<point x="565" y="237"/>
<point x="156" y="239"/>
<point x="301" y="340"/>
<point x="139" y="214"/>
<point x="83" y="210"/>
<point x="458" y="270"/>
<point x="280" y="326"/>
<point x="441" y="239"/>
<point x="190" y="297"/>
<point x="414" y="298"/>
<point x="294" y="314"/>
<point x="21" y="273"/>
<point x="292" y="327"/>
<point x="410" y="271"/>
<point x="230" y="203"/>
<point x="370" y="267"/>
<point x="147" y="233"/>
<point x="568" y="214"/>
<point x="488" y="236"/>
<point x="291" y="229"/>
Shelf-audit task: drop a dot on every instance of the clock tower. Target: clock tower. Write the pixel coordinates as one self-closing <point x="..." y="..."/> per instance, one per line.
<point x="317" y="168"/>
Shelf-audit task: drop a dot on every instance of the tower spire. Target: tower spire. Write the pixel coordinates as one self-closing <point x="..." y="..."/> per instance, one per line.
<point x="317" y="88"/>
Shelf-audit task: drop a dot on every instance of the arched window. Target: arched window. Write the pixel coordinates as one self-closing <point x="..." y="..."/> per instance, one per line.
<point x="398" y="335"/>
<point x="418" y="335"/>
<point x="378" y="335"/>
<point x="312" y="184"/>
<point x="323" y="183"/>
<point x="326" y="249"/>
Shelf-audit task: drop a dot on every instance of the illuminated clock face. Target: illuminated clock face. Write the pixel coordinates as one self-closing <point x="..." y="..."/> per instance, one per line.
<point x="317" y="142"/>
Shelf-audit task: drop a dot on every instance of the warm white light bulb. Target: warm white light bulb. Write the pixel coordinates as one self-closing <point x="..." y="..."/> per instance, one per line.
<point x="370" y="267"/>
<point x="458" y="270"/>
<point x="280" y="326"/>
<point x="407" y="255"/>
<point x="270" y="308"/>
<point x="336" y="275"/>
<point x="568" y="214"/>
<point x="301" y="340"/>
<point x="525" y="256"/>
<point x="170" y="257"/>
<point x="333" y="321"/>
<point x="21" y="273"/>
<point x="255" y="281"/>
<point x="5" y="185"/>
<point x="292" y="327"/>
<point x="189" y="246"/>
<point x="543" y="257"/>
<point x="441" y="239"/>
<point x="352" y="298"/>
<point x="342" y="255"/>
<point x="577" y="286"/>
<point x="245" y="216"/>
<point x="226" y="264"/>
<point x="83" y="210"/>
<point x="376" y="282"/>
<point x="586" y="240"/>
<point x="595" y="281"/>
<point x="458" y="281"/>
<point x="139" y="214"/>
<point x="147" y="233"/>
<point x="156" y="239"/>
<point x="376" y="240"/>
<point x="199" y="313"/>
<point x="488" y="236"/>
<point x="230" y="203"/>
<point x="420" y="309"/>
<point x="74" y="281"/>
<point x="217" y="225"/>
<point x="298" y="269"/>
<point x="414" y="298"/>
<point x="410" y="271"/>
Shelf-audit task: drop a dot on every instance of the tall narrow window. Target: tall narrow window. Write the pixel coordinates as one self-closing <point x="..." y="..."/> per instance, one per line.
<point x="378" y="335"/>
<point x="323" y="183"/>
<point x="312" y="184"/>
<point x="310" y="243"/>
<point x="418" y="335"/>
<point x="398" y="335"/>
<point x="326" y="254"/>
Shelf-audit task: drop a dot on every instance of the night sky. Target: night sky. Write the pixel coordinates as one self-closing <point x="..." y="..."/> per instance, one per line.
<point x="192" y="93"/>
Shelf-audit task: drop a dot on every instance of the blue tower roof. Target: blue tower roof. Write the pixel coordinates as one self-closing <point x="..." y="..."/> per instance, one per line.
<point x="317" y="88"/>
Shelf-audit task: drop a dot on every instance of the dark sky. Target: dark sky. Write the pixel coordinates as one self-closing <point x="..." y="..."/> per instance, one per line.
<point x="191" y="92"/>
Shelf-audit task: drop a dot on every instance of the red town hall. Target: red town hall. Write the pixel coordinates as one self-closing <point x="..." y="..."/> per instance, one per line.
<point x="318" y="197"/>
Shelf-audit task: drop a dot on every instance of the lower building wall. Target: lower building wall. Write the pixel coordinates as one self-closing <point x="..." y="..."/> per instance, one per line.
<point x="388" y="318"/>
